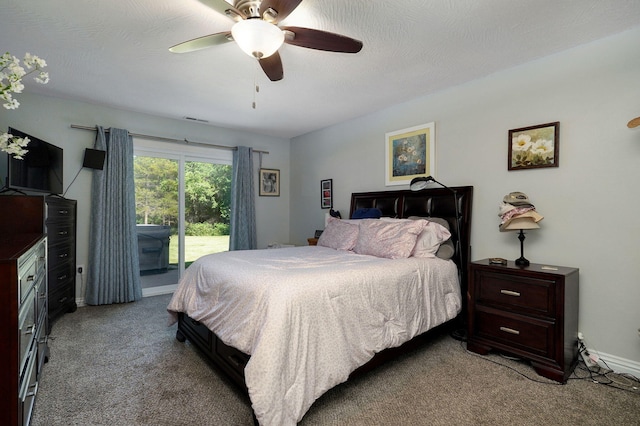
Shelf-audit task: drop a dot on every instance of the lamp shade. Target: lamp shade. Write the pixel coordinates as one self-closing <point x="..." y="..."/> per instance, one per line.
<point x="420" y="183"/>
<point x="257" y="38"/>
<point x="518" y="223"/>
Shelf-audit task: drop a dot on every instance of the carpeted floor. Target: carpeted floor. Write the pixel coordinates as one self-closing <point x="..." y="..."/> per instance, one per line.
<point x="121" y="364"/>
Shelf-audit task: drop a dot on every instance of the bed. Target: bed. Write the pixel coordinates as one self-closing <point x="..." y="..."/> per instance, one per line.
<point x="288" y="324"/>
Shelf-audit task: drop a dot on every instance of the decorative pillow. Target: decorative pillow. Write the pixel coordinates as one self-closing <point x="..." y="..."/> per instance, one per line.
<point x="446" y="249"/>
<point x="432" y="241"/>
<point x="339" y="235"/>
<point x="390" y="239"/>
<point x="367" y="213"/>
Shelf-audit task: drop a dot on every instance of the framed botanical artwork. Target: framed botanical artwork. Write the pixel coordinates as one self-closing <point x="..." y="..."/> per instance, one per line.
<point x="409" y="153"/>
<point x="534" y="147"/>
<point x="269" y="181"/>
<point x="326" y="193"/>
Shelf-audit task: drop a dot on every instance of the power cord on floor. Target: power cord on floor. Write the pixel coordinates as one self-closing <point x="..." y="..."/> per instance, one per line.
<point x="596" y="374"/>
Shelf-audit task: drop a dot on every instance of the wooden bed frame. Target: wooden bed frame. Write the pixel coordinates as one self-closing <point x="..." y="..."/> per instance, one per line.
<point x="438" y="202"/>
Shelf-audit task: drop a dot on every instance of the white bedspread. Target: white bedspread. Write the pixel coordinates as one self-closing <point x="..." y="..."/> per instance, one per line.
<point x="309" y="316"/>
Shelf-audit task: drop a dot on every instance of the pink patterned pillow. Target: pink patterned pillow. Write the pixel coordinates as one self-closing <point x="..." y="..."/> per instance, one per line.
<point x="339" y="235"/>
<point x="390" y="239"/>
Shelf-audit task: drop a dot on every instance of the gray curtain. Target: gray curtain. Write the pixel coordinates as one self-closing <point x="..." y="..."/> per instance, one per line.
<point x="243" y="213"/>
<point x="114" y="272"/>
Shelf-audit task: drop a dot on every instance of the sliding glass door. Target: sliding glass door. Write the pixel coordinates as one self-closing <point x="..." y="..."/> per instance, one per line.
<point x="183" y="199"/>
<point x="206" y="209"/>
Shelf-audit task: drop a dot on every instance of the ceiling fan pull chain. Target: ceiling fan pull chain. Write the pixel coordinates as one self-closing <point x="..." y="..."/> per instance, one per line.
<point x="255" y="87"/>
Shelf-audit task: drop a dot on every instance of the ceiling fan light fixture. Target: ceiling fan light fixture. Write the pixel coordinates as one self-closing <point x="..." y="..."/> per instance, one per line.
<point x="257" y="38"/>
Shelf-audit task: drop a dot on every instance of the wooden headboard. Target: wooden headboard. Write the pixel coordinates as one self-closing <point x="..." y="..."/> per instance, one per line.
<point x="436" y="202"/>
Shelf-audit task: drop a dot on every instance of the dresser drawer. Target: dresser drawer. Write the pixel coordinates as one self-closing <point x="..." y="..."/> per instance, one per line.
<point x="26" y="327"/>
<point x="197" y="330"/>
<point x="522" y="294"/>
<point x="60" y="210"/>
<point x="59" y="299"/>
<point x="535" y="337"/>
<point x="61" y="276"/>
<point x="60" y="253"/>
<point x="61" y="232"/>
<point x="236" y="359"/>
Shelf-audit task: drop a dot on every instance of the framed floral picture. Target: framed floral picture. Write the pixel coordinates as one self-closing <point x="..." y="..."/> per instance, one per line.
<point x="534" y="147"/>
<point x="269" y="181"/>
<point x="409" y="153"/>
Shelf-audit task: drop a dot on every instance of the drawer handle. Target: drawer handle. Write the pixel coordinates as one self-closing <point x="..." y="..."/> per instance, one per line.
<point x="509" y="330"/>
<point x="30" y="330"/>
<point x="63" y="211"/>
<point x="510" y="293"/>
<point x="63" y="255"/>
<point x="63" y="299"/>
<point x="32" y="390"/>
<point x="62" y="277"/>
<point x="62" y="233"/>
<point x="30" y="277"/>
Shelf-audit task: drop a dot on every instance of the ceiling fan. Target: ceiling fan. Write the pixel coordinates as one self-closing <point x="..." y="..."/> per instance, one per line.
<point x="257" y="33"/>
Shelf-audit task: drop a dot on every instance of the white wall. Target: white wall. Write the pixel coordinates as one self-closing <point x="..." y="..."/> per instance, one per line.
<point x="590" y="202"/>
<point x="50" y="118"/>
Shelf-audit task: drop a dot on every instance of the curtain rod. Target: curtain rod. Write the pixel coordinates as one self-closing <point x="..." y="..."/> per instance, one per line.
<point x="163" y="139"/>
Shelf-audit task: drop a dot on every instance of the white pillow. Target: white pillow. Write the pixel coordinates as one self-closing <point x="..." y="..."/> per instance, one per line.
<point x="429" y="240"/>
<point x="393" y="239"/>
<point x="339" y="235"/>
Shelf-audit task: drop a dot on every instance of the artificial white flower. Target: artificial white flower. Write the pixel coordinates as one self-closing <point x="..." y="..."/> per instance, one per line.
<point x="13" y="145"/>
<point x="521" y="143"/>
<point x="11" y="74"/>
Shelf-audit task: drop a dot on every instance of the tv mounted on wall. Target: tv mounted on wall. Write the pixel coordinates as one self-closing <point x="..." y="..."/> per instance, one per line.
<point x="39" y="171"/>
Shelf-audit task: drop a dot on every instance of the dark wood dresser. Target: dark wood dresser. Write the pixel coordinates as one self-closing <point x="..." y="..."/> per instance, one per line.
<point x="23" y="315"/>
<point x="530" y="312"/>
<point x="56" y="217"/>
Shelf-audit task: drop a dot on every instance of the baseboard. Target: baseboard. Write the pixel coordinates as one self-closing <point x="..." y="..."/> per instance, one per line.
<point x="156" y="291"/>
<point x="617" y="364"/>
<point x="146" y="292"/>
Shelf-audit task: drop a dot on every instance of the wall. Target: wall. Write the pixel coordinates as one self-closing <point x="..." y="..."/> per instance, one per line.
<point x="590" y="202"/>
<point x="50" y="118"/>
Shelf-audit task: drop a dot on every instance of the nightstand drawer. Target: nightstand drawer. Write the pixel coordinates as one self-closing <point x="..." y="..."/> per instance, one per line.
<point x="524" y="294"/>
<point x="535" y="337"/>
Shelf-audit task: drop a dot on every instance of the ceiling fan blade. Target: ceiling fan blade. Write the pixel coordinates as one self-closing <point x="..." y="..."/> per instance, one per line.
<point x="224" y="8"/>
<point x="282" y="7"/>
<point x="272" y="67"/>
<point x="202" y="42"/>
<point x="322" y="40"/>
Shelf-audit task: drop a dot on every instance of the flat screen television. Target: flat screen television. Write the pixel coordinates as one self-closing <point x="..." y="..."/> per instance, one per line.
<point x="39" y="171"/>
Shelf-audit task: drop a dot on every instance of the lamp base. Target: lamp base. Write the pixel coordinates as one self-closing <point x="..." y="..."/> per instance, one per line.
<point x="522" y="261"/>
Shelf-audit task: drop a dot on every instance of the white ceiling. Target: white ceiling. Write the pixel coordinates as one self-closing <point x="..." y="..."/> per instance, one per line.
<point x="115" y="53"/>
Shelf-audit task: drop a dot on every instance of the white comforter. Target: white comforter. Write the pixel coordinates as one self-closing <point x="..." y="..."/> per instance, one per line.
<point x="309" y="316"/>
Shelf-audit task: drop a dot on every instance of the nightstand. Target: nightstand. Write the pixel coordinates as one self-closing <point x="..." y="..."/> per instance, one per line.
<point x="530" y="312"/>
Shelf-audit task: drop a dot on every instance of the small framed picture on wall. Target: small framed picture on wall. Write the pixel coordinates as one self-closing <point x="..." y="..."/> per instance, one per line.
<point x="269" y="181"/>
<point x="326" y="193"/>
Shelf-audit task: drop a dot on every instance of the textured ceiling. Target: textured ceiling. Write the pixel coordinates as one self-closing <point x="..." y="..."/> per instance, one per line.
<point x="115" y="53"/>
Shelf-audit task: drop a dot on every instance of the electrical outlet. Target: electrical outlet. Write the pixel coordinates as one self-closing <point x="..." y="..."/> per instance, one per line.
<point x="80" y="269"/>
<point x="589" y="360"/>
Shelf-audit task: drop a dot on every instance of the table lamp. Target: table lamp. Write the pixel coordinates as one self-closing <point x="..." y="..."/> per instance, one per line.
<point x="520" y="224"/>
